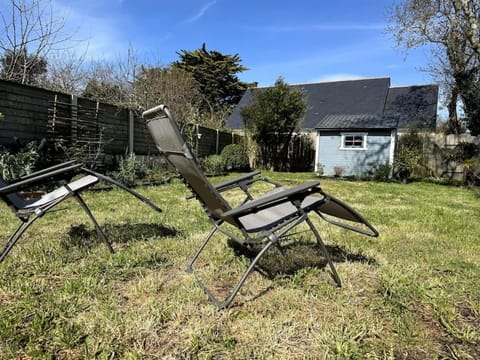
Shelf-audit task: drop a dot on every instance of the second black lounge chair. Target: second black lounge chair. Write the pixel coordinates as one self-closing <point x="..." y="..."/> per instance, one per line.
<point x="265" y="220"/>
<point x="29" y="210"/>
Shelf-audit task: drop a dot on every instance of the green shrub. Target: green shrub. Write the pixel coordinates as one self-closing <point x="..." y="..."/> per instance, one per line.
<point x="131" y="169"/>
<point x="320" y="170"/>
<point x="410" y="156"/>
<point x="15" y="165"/>
<point x="235" y="157"/>
<point x="379" y="172"/>
<point x="471" y="171"/>
<point x="213" y="165"/>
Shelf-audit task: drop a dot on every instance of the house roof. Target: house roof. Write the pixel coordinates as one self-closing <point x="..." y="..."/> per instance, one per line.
<point x="413" y="106"/>
<point x="367" y="103"/>
<point x="356" y="121"/>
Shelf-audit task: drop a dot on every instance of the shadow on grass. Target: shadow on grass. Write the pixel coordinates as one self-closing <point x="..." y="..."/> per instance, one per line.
<point x="295" y="256"/>
<point x="86" y="237"/>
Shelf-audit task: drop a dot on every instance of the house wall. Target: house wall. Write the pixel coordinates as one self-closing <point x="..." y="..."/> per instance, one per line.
<point x="354" y="162"/>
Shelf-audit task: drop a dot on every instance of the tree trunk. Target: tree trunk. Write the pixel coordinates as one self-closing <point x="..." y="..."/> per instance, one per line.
<point x="453" y="124"/>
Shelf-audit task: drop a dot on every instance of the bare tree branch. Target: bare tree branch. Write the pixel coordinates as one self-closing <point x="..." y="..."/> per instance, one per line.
<point x="31" y="33"/>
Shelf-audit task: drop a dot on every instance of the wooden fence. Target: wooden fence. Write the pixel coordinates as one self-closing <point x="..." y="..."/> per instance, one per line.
<point x="438" y="163"/>
<point x="33" y="114"/>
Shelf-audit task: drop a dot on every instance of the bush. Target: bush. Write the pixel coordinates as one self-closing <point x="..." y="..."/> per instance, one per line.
<point x="15" y="165"/>
<point x="379" y="172"/>
<point x="213" y="165"/>
<point x="131" y="169"/>
<point x="410" y="156"/>
<point x="235" y="157"/>
<point x="320" y="170"/>
<point x="471" y="171"/>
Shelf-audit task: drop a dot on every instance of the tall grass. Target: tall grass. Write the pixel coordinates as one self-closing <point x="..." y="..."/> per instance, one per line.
<point x="411" y="293"/>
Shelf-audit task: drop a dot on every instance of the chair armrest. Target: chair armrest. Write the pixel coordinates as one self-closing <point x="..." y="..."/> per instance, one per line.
<point x="121" y="186"/>
<point x="233" y="183"/>
<point x="287" y="195"/>
<point x="46" y="170"/>
<point x="242" y="181"/>
<point x="19" y="185"/>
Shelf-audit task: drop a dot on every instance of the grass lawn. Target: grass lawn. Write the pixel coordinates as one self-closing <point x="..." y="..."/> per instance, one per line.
<point x="412" y="293"/>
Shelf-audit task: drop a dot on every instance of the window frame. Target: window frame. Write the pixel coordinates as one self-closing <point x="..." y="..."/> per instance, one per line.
<point x="364" y="136"/>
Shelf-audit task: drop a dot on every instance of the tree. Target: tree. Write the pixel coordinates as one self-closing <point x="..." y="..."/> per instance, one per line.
<point x="21" y="67"/>
<point x="113" y="81"/>
<point x="216" y="74"/>
<point x="66" y="73"/>
<point x="29" y="34"/>
<point x="104" y="91"/>
<point x="450" y="28"/>
<point x="271" y="119"/>
<point x="171" y="86"/>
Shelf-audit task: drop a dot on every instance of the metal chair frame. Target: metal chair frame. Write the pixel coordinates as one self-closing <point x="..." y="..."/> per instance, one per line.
<point x="28" y="213"/>
<point x="292" y="206"/>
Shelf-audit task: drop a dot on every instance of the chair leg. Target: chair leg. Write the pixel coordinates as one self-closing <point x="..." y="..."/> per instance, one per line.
<point x="325" y="252"/>
<point x="200" y="249"/>
<point x="228" y="300"/>
<point x="273" y="239"/>
<point x="12" y="240"/>
<point x="97" y="226"/>
<point x="237" y="287"/>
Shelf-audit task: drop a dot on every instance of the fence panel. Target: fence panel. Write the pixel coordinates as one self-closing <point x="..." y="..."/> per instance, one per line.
<point x="32" y="113"/>
<point x="25" y="113"/>
<point x="436" y="161"/>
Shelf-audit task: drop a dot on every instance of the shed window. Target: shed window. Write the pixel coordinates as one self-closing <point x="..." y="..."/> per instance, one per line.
<point x="354" y="141"/>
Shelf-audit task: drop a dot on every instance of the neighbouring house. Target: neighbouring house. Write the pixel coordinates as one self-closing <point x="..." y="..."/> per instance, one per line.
<point x="355" y="123"/>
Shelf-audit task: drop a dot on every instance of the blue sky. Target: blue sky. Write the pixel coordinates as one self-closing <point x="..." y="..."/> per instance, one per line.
<point x="301" y="40"/>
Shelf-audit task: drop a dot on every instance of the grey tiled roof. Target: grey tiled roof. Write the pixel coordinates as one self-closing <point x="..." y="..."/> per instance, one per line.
<point x="356" y="121"/>
<point x="414" y="106"/>
<point x="369" y="103"/>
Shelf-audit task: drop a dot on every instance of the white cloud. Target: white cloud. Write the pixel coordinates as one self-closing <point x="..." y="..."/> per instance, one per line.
<point x="200" y="13"/>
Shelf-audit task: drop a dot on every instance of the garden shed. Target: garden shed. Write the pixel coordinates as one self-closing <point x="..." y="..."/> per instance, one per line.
<point x="349" y="144"/>
<point x="355" y="123"/>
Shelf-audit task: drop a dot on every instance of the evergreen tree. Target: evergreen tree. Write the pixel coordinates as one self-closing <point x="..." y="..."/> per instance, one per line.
<point x="216" y="74"/>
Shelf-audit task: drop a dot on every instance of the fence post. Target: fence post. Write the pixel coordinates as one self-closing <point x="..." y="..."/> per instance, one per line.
<point x="74" y="118"/>
<point x="131" y="139"/>
<point x="217" y="142"/>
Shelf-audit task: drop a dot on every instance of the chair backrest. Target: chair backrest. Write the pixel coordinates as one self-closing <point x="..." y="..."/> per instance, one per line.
<point x="171" y="143"/>
<point x="13" y="200"/>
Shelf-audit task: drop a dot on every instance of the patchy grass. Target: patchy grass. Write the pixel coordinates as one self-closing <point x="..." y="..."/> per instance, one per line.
<point x="411" y="293"/>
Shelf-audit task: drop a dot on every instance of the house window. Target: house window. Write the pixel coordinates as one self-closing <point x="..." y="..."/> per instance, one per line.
<point x="354" y="141"/>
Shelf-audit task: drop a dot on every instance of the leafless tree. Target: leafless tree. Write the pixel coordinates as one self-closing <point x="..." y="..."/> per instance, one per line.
<point x="30" y="33"/>
<point x="171" y="86"/>
<point x="66" y="73"/>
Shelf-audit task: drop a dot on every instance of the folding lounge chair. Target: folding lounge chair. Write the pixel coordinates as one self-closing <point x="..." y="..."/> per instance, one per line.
<point x="30" y="210"/>
<point x="264" y="220"/>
